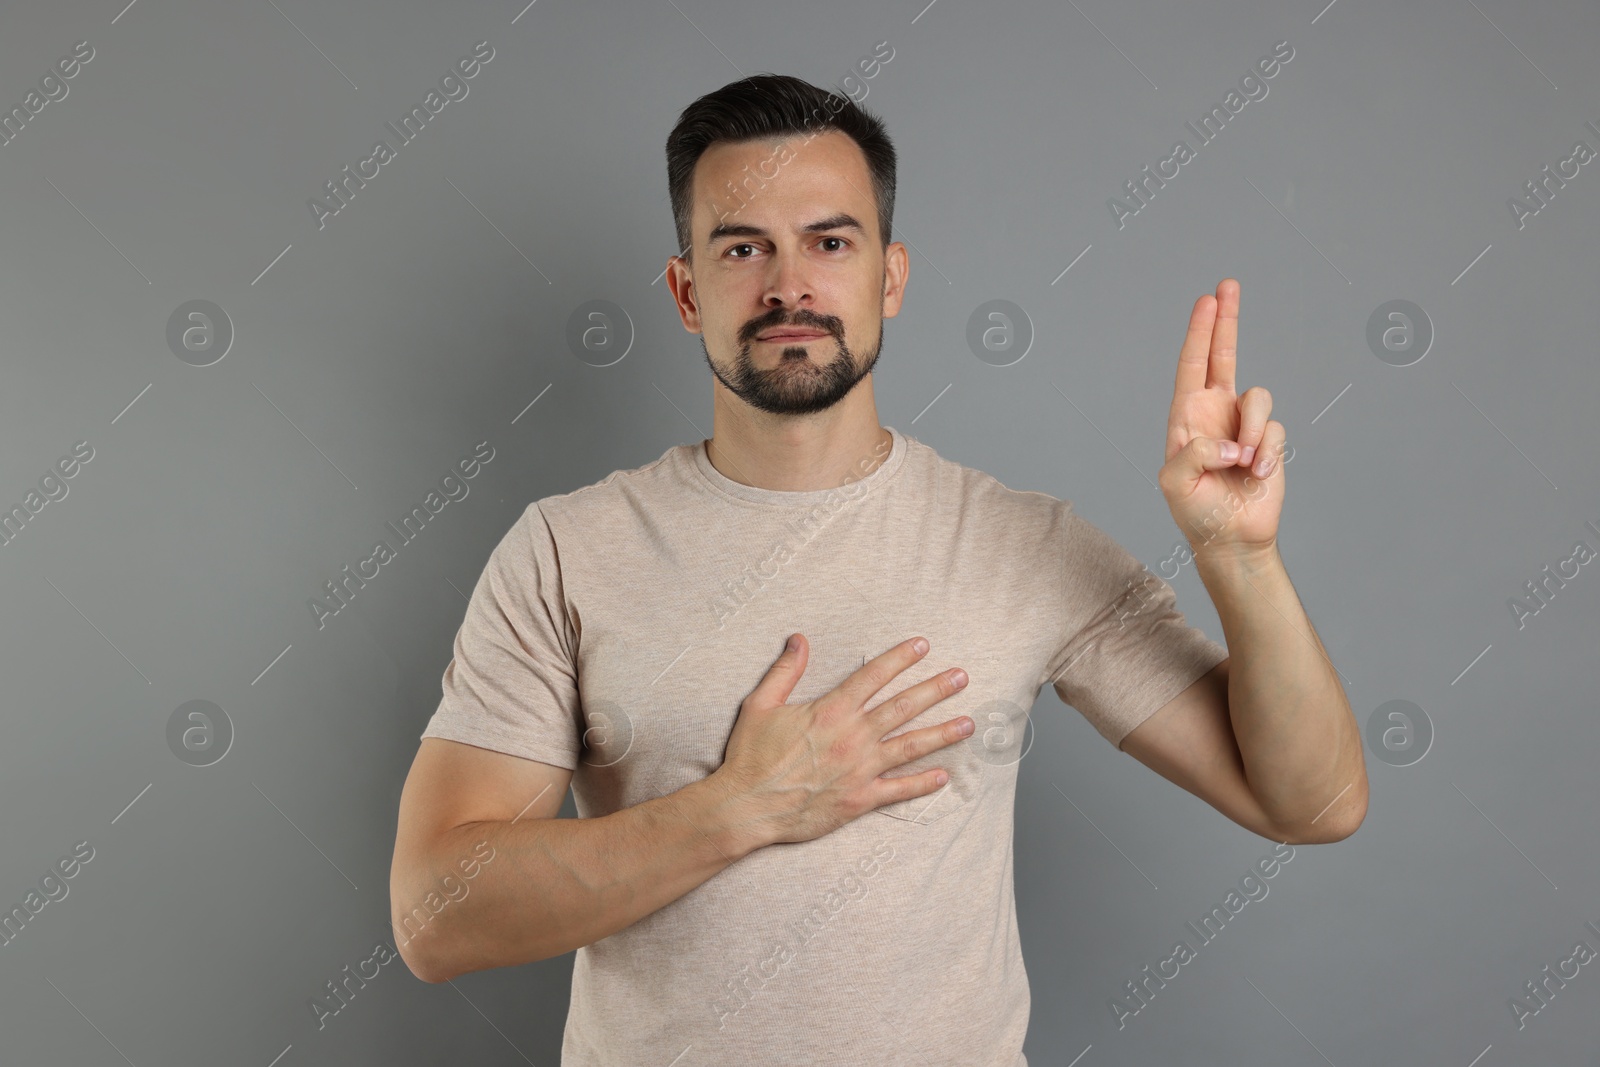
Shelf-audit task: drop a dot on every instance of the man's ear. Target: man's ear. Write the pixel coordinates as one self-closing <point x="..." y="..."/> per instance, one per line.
<point x="680" y="280"/>
<point x="896" y="268"/>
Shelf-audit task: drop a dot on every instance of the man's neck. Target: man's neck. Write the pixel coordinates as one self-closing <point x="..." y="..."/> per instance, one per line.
<point x="795" y="455"/>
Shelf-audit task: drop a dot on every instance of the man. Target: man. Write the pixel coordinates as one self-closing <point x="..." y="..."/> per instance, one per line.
<point x="805" y="857"/>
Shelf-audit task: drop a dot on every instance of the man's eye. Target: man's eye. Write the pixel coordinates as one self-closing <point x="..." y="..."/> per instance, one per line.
<point x="732" y="249"/>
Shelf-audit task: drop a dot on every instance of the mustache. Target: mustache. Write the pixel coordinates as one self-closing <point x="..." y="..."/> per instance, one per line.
<point x="808" y="320"/>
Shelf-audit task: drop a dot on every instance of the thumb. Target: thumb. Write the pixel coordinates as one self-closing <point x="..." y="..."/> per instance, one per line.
<point x="1201" y="454"/>
<point x="782" y="676"/>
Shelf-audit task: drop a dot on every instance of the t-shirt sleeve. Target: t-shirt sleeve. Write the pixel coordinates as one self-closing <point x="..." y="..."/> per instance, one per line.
<point x="1126" y="649"/>
<point x="512" y="685"/>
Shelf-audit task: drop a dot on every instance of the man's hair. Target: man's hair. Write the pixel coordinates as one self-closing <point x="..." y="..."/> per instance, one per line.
<point x="769" y="107"/>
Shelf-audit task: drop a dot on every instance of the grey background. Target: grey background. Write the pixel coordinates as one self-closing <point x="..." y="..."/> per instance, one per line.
<point x="432" y="311"/>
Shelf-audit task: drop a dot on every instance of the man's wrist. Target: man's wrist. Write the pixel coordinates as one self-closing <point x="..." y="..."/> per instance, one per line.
<point x="1232" y="559"/>
<point x="724" y="816"/>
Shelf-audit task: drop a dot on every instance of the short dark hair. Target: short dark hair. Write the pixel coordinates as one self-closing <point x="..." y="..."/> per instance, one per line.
<point x="766" y="106"/>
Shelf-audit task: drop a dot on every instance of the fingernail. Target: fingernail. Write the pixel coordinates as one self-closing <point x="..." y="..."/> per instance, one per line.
<point x="964" y="728"/>
<point x="958" y="677"/>
<point x="920" y="645"/>
<point x="1230" y="451"/>
<point x="794" y="643"/>
<point x="1249" y="454"/>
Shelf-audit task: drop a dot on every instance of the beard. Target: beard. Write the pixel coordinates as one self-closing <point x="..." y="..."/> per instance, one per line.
<point x="807" y="378"/>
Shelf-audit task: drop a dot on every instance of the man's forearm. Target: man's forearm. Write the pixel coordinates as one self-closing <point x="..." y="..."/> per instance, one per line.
<point x="1298" y="738"/>
<point x="554" y="885"/>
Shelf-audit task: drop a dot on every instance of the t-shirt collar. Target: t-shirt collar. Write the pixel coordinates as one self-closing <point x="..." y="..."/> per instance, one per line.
<point x="853" y="487"/>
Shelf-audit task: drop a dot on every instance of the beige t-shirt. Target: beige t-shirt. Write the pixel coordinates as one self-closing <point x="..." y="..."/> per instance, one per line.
<point x="617" y="628"/>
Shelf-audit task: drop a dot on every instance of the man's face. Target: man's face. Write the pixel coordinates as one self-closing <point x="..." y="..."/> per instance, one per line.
<point x="796" y="248"/>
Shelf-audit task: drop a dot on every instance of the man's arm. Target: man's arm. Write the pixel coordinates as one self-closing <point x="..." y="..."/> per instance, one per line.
<point x="519" y="884"/>
<point x="1267" y="736"/>
<point x="550" y="885"/>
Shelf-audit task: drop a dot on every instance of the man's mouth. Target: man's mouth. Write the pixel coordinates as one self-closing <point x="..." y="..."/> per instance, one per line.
<point x="791" y="335"/>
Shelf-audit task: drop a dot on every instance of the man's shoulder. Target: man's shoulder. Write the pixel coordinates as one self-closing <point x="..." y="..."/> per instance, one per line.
<point x="987" y="494"/>
<point x="621" y="490"/>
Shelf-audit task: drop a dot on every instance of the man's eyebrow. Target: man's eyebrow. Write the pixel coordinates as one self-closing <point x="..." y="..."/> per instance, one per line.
<point x="841" y="221"/>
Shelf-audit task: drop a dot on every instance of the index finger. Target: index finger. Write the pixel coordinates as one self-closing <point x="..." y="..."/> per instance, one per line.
<point x="878" y="672"/>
